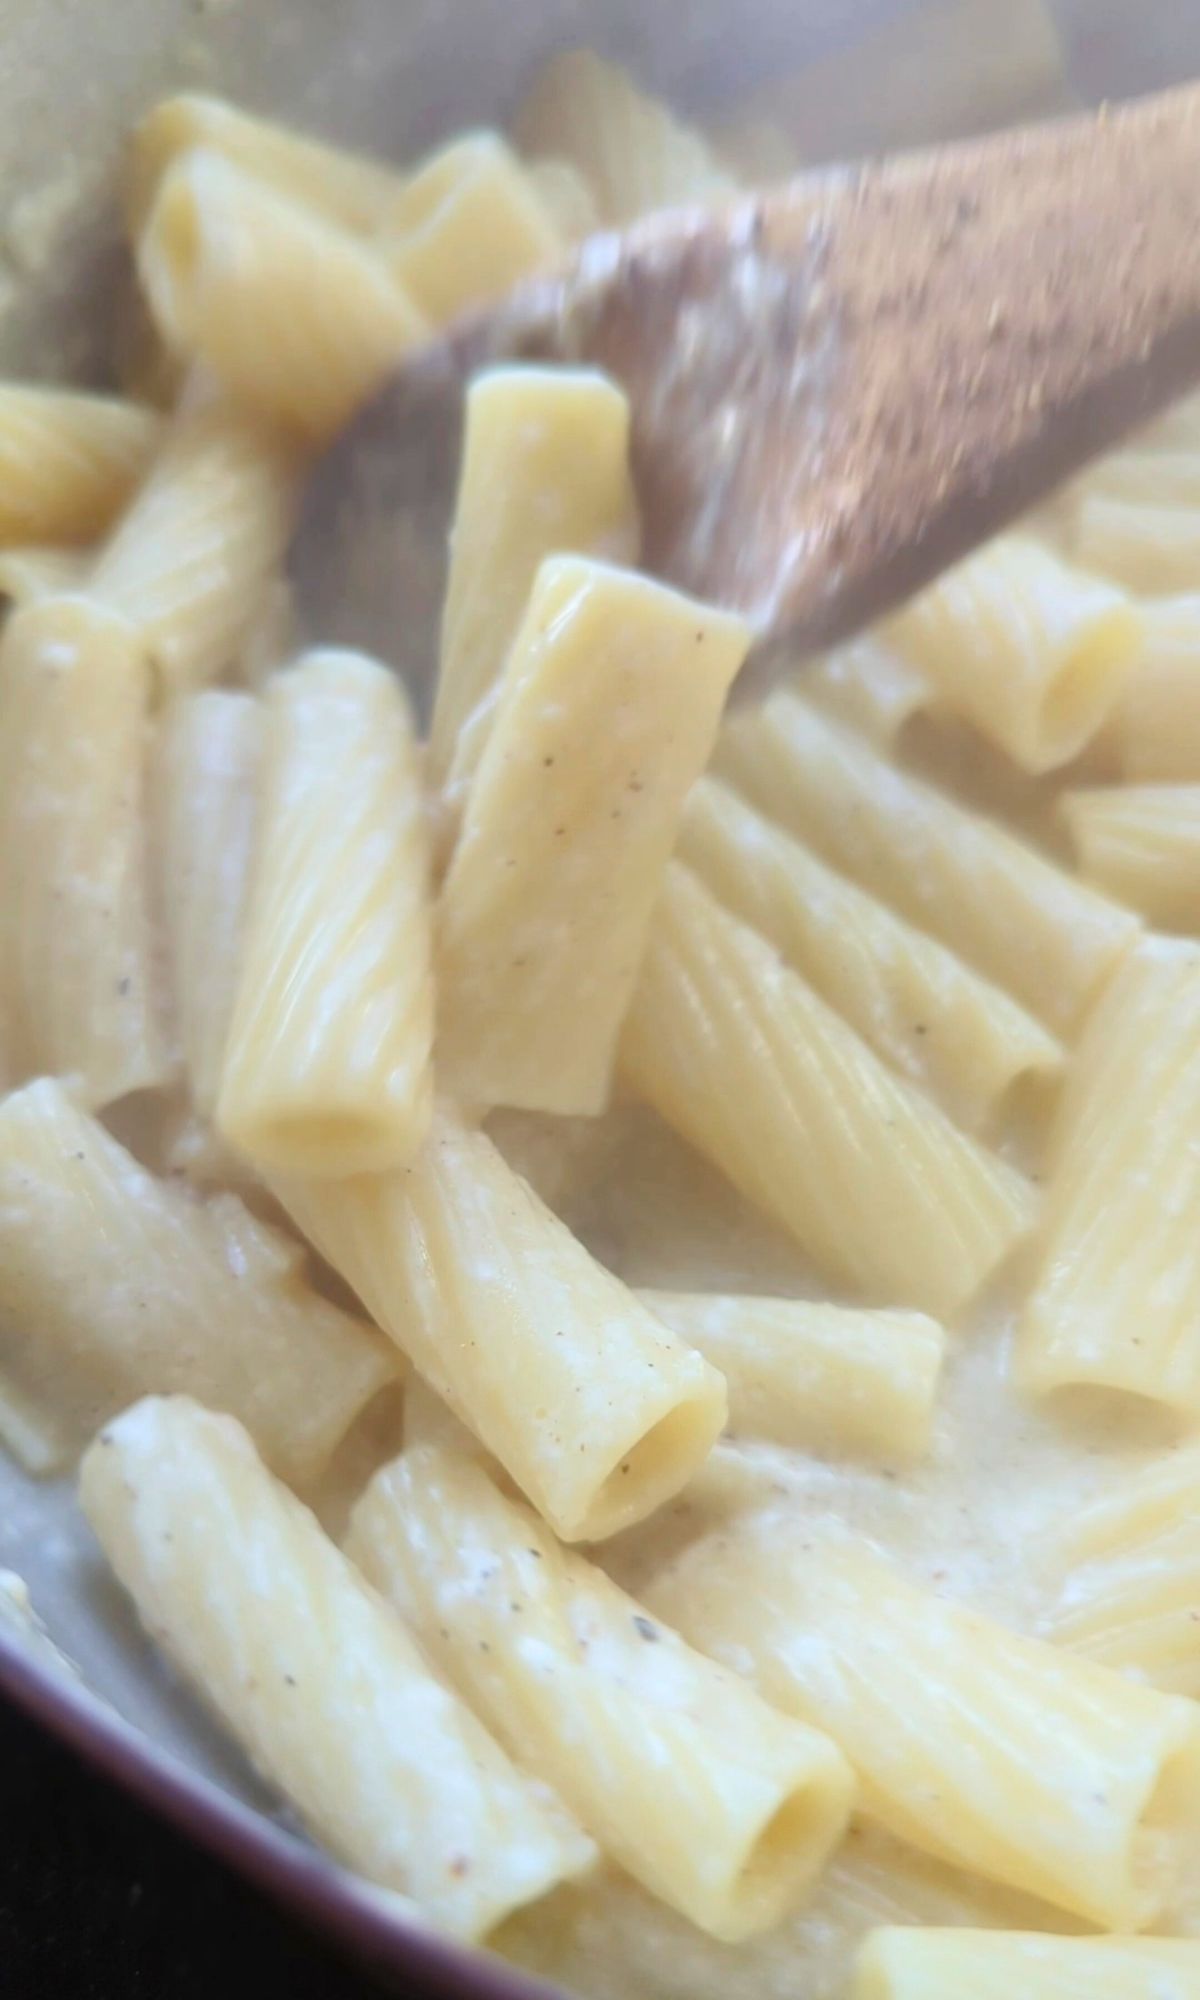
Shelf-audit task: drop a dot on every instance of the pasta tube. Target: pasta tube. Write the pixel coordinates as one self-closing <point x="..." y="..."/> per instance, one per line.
<point x="297" y="318"/>
<point x="468" y="224"/>
<point x="594" y="1409"/>
<point x="739" y="1054"/>
<point x="351" y="190"/>
<point x="869" y="686"/>
<point x="1017" y="918"/>
<point x="206" y="792"/>
<point x="632" y="152"/>
<point x="77" y="953"/>
<point x="1117" y="1297"/>
<point x="113" y="1283"/>
<point x="719" y="1805"/>
<point x="910" y="997"/>
<point x="995" y="1965"/>
<point x="995" y="1752"/>
<point x="68" y="461"/>
<point x="327" y="1062"/>
<point x="803" y="1373"/>
<point x="606" y="716"/>
<point x="545" y="469"/>
<point x="189" y="561"/>
<point x="1131" y="1593"/>
<point x="1031" y="651"/>
<point x="1141" y="844"/>
<point x="315" y="1677"/>
<point x="1155" y="730"/>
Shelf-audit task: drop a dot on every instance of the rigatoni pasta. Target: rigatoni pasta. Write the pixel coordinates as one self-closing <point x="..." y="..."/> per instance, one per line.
<point x="994" y="1965"/>
<point x="1010" y="912"/>
<point x="631" y="151"/>
<point x="742" y="1057"/>
<point x="1130" y="1589"/>
<point x="207" y="769"/>
<point x="1116" y="1299"/>
<point x="354" y="191"/>
<point x="113" y="1282"/>
<point x="801" y="1372"/>
<point x="189" y="561"/>
<point x="1154" y="733"/>
<point x="606" y="715"/>
<point x="544" y="470"/>
<point x="995" y="1752"/>
<point x="1141" y="845"/>
<point x="316" y="1677"/>
<point x="467" y="225"/>
<point x="326" y="1068"/>
<point x="595" y="1410"/>
<point x="68" y="461"/>
<point x="916" y="1003"/>
<point x="770" y="1313"/>
<point x="79" y="972"/>
<point x="1033" y="652"/>
<point x="298" y="318"/>
<point x="722" y="1806"/>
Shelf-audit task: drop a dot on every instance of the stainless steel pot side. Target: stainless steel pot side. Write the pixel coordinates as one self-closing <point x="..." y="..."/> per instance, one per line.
<point x="390" y="76"/>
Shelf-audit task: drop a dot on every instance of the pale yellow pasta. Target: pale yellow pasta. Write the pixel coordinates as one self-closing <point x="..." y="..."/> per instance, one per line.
<point x="312" y="1673"/>
<point x="606" y="716"/>
<point x="916" y="1003"/>
<point x="996" y="901"/>
<point x="633" y="153"/>
<point x="1033" y="652"/>
<point x="1141" y="844"/>
<point x="595" y="1410"/>
<point x="1116" y="1301"/>
<point x="996" y="1752"/>
<point x="566" y="197"/>
<point x="30" y="572"/>
<point x="1130" y="1593"/>
<point x="717" y="1803"/>
<point x="545" y="468"/>
<point x="607" y="1938"/>
<point x="1145" y="546"/>
<point x="467" y="225"/>
<point x="739" y="1053"/>
<point x="68" y="461"/>
<point x="114" y="1283"/>
<point x="800" y="1372"/>
<point x="207" y="768"/>
<point x="1001" y="1965"/>
<point x="868" y="685"/>
<point x="1155" y="730"/>
<point x="77" y="950"/>
<point x="295" y="316"/>
<point x="352" y="190"/>
<point x="327" y="1062"/>
<point x="189" y="561"/>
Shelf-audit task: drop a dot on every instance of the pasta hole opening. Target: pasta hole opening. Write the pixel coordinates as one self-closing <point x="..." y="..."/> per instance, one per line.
<point x="1080" y="694"/>
<point x="787" y="1853"/>
<point x="1166" y="1832"/>
<point x="174" y="252"/>
<point x="653" y="1469"/>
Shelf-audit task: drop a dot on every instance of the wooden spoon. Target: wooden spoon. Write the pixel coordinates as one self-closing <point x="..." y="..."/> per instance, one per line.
<point x="838" y="387"/>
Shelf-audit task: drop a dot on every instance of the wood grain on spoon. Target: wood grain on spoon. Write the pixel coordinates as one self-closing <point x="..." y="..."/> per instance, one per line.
<point x="837" y="388"/>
